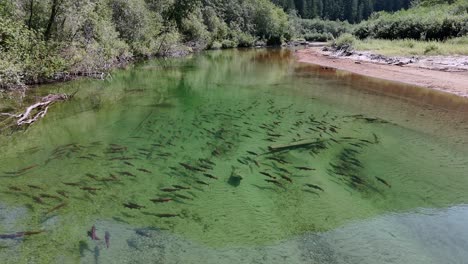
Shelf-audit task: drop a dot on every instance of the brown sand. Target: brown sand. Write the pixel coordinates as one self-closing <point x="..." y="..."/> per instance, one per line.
<point x="447" y="81"/>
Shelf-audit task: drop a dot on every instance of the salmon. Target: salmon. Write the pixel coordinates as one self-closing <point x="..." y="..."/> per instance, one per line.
<point x="314" y="186"/>
<point x="56" y="208"/>
<point x="161" y="200"/>
<point x="131" y="205"/>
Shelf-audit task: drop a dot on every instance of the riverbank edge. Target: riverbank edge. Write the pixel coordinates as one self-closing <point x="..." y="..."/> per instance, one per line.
<point x="446" y="81"/>
<point x="101" y="74"/>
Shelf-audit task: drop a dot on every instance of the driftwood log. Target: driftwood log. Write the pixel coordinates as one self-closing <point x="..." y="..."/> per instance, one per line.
<point x="38" y="110"/>
<point x="295" y="145"/>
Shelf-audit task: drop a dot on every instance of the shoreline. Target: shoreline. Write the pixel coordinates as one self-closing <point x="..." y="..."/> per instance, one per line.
<point x="453" y="82"/>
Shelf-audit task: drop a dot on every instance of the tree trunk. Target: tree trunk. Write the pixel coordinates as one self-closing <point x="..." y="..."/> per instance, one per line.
<point x="31" y="12"/>
<point x="53" y="15"/>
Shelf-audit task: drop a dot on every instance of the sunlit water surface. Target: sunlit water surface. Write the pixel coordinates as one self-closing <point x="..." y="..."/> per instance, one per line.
<point x="237" y="157"/>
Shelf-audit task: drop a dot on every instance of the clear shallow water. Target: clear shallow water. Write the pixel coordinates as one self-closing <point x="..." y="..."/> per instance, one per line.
<point x="377" y="153"/>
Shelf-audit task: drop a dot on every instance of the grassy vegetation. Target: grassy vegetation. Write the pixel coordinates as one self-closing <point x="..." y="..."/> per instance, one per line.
<point x="403" y="47"/>
<point x="431" y="27"/>
<point x="408" y="47"/>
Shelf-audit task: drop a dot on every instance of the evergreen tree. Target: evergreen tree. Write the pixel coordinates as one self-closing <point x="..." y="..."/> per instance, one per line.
<point x="351" y="10"/>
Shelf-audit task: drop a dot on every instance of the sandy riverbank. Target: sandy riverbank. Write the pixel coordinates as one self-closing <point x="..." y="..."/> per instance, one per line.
<point x="452" y="78"/>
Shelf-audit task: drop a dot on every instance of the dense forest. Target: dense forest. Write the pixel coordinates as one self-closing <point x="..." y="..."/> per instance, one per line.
<point x="350" y="10"/>
<point x="54" y="39"/>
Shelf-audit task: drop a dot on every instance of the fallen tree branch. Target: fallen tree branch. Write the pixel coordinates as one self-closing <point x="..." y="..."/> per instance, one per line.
<point x="38" y="110"/>
<point x="10" y="115"/>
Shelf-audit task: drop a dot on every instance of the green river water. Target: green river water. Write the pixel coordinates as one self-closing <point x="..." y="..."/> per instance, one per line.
<point x="241" y="156"/>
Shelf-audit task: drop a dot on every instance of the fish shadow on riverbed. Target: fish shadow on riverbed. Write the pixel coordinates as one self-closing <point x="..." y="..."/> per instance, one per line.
<point x="264" y="188"/>
<point x="97" y="253"/>
<point x="83" y="247"/>
<point x="312" y="192"/>
<point x="148" y="231"/>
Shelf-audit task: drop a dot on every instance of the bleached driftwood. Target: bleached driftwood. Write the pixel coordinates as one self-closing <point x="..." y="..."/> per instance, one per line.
<point x="38" y="110"/>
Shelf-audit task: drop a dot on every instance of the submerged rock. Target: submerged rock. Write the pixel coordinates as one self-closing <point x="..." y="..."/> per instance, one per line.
<point x="235" y="179"/>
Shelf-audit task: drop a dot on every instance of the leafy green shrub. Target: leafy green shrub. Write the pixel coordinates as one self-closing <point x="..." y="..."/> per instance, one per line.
<point x="226" y="44"/>
<point x="244" y="39"/>
<point x="195" y="31"/>
<point x="24" y="58"/>
<point x="345" y="42"/>
<point x="216" y="45"/>
<point x="438" y="22"/>
<point x="326" y="28"/>
<point x="318" y="37"/>
<point x="214" y="24"/>
<point x="271" y="22"/>
<point x="136" y="25"/>
<point x="431" y="48"/>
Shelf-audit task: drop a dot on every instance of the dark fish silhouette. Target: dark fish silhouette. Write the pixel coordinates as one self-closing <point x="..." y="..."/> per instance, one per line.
<point x="166" y="215"/>
<point x="161" y="200"/>
<point x="129" y="164"/>
<point x="278" y="160"/>
<point x="182" y="196"/>
<point x="274" y="182"/>
<point x="144" y="170"/>
<point x="376" y="138"/>
<point x="274" y="135"/>
<point x="121" y="158"/>
<point x="268" y="174"/>
<point x="63" y="193"/>
<point x="56" y="208"/>
<point x="45" y="195"/>
<point x="207" y="161"/>
<point x="169" y="189"/>
<point x="38" y="199"/>
<point x="242" y="161"/>
<point x="23" y="170"/>
<point x="190" y="167"/>
<point x="131" y="205"/>
<point x="304" y="168"/>
<point x="282" y="169"/>
<point x="181" y="187"/>
<point x="210" y="176"/>
<point x="34" y="187"/>
<point x="206" y="167"/>
<point x="314" y="186"/>
<point x="286" y="178"/>
<point x="20" y="234"/>
<point x="201" y="182"/>
<point x="126" y="173"/>
<point x="107" y="239"/>
<point x="92" y="189"/>
<point x="14" y="188"/>
<point x="71" y="183"/>
<point x="383" y="181"/>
